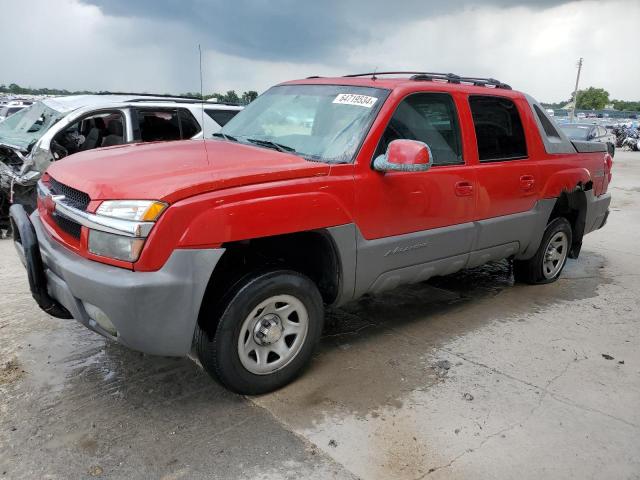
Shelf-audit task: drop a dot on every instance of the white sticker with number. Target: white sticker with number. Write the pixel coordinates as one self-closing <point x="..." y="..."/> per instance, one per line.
<point x="354" y="99"/>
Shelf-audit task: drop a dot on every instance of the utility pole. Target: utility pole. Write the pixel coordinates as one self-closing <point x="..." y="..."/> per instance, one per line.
<point x="575" y="91"/>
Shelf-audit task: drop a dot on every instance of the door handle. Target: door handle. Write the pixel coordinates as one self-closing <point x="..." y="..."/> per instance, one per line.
<point x="527" y="182"/>
<point x="464" y="189"/>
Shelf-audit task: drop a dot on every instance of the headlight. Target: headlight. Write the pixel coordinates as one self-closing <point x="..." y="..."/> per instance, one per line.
<point x="136" y="210"/>
<point x="115" y="246"/>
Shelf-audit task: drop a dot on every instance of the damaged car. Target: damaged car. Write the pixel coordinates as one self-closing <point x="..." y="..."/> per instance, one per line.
<point x="54" y="128"/>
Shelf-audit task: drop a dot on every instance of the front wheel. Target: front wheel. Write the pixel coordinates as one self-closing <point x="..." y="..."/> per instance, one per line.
<point x="547" y="264"/>
<point x="267" y="333"/>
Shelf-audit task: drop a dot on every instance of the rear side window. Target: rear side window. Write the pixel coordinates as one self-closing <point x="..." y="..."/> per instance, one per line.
<point x="548" y="127"/>
<point x="221" y="117"/>
<point x="430" y="118"/>
<point x="498" y="128"/>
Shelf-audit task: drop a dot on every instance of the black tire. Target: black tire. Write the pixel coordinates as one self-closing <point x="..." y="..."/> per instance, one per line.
<point x="219" y="353"/>
<point x="531" y="271"/>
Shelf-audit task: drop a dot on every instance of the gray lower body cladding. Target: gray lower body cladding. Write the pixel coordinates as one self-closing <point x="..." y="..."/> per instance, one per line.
<point x="153" y="312"/>
<point x="385" y="263"/>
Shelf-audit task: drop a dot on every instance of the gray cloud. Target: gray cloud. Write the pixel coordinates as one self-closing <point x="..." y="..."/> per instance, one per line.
<point x="75" y="44"/>
<point x="292" y="30"/>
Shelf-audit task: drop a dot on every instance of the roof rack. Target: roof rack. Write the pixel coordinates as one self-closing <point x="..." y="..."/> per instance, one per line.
<point x="178" y="97"/>
<point x="165" y="99"/>
<point x="441" y="77"/>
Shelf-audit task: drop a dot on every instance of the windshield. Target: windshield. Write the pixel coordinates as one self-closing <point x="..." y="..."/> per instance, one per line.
<point x="576" y="132"/>
<point x="28" y="125"/>
<point x="325" y="123"/>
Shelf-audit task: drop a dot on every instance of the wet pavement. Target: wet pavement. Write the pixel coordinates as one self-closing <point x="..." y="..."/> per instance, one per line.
<point x="467" y="376"/>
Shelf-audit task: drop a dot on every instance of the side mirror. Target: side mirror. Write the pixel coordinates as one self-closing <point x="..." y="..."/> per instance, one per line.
<point x="404" y="156"/>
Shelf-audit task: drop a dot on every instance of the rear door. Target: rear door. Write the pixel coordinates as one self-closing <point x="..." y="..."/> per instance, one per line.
<point x="508" y="178"/>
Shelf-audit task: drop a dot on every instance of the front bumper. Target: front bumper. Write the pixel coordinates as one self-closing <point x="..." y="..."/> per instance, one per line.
<point x="153" y="312"/>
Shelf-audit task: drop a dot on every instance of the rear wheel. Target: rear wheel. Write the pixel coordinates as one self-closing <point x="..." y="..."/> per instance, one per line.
<point x="267" y="333"/>
<point x="547" y="264"/>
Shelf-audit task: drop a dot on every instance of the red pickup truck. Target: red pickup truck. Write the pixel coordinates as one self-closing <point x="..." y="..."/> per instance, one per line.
<point x="321" y="190"/>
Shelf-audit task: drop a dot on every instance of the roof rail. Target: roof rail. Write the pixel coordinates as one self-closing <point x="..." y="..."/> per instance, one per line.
<point x="168" y="99"/>
<point x="227" y="104"/>
<point x="433" y="76"/>
<point x="135" y="94"/>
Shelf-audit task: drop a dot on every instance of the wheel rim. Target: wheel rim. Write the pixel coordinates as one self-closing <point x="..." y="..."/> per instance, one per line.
<point x="555" y="255"/>
<point x="273" y="334"/>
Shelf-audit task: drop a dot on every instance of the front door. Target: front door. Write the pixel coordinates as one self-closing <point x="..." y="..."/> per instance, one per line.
<point x="414" y="225"/>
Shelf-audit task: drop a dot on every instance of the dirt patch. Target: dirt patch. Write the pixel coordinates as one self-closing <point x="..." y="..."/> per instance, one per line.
<point x="11" y="372"/>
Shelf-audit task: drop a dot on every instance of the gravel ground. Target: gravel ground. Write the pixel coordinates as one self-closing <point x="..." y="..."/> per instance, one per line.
<point x="468" y="376"/>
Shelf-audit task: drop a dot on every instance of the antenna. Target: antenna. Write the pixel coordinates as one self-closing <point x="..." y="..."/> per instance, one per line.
<point x="201" y="93"/>
<point x="373" y="77"/>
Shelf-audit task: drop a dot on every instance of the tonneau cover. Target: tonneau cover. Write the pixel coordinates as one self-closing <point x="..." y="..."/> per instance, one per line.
<point x="589" y="147"/>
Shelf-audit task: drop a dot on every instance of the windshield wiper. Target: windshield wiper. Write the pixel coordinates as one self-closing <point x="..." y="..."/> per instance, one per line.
<point x="269" y="144"/>
<point x="225" y="136"/>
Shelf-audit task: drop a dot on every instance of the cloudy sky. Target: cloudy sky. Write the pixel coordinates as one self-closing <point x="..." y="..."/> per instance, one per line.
<point x="152" y="45"/>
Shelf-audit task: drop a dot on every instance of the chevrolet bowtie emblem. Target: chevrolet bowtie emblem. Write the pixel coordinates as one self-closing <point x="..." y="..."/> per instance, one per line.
<point x="50" y="202"/>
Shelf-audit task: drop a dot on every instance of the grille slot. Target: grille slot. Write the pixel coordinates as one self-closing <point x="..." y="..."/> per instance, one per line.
<point x="68" y="226"/>
<point x="73" y="198"/>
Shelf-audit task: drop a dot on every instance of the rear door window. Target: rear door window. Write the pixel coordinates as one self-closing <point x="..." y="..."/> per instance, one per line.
<point x="221" y="117"/>
<point x="499" y="130"/>
<point x="158" y="125"/>
<point x="161" y="125"/>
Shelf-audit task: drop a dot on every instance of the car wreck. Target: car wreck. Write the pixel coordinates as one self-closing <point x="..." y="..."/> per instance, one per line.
<point x="54" y="128"/>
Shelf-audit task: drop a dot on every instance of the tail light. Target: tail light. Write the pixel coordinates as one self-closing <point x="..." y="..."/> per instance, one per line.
<point x="608" y="165"/>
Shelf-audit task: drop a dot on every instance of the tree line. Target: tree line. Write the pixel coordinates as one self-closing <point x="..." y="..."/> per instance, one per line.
<point x="591" y="98"/>
<point x="594" y="98"/>
<point x="229" y="97"/>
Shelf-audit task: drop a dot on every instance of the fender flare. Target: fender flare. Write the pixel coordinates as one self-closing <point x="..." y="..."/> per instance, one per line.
<point x="566" y="181"/>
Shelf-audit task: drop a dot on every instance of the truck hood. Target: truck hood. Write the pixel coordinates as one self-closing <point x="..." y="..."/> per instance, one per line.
<point x="176" y="170"/>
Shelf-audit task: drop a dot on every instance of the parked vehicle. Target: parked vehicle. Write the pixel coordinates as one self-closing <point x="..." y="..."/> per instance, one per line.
<point x="10" y="108"/>
<point x="57" y="127"/>
<point x="627" y="136"/>
<point x="589" y="132"/>
<point x="235" y="245"/>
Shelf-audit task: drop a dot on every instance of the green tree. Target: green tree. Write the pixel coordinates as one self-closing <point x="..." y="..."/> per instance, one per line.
<point x="248" y="97"/>
<point x="626" y="105"/>
<point x="231" y="97"/>
<point x="592" y="99"/>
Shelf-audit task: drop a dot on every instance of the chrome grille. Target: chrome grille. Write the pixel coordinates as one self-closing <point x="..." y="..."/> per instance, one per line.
<point x="74" y="198"/>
